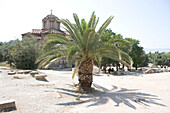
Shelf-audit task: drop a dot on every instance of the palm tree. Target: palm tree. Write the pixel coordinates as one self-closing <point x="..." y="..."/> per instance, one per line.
<point x="84" y="48"/>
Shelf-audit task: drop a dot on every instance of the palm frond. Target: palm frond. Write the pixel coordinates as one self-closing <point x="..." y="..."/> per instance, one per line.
<point x="96" y="23"/>
<point x="71" y="51"/>
<point x="78" y="23"/>
<point x="121" y="41"/>
<point x="83" y="24"/>
<point x="57" y="37"/>
<point x="105" y="24"/>
<point x="75" y="70"/>
<point x="52" y="43"/>
<point x="92" y="20"/>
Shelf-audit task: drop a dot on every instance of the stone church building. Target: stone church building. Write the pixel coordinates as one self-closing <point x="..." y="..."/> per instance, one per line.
<point x="50" y="25"/>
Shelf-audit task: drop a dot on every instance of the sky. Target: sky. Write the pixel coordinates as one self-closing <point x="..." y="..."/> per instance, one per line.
<point x="144" y="20"/>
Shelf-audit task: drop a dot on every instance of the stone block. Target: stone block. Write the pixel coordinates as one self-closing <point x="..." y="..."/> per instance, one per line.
<point x="40" y="76"/>
<point x="33" y="72"/>
<point x="11" y="73"/>
<point x="27" y="71"/>
<point x="7" y="105"/>
<point x="149" y="71"/>
<point x="20" y="72"/>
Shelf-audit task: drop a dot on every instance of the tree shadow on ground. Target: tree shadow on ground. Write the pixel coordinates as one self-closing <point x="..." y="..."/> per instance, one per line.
<point x="101" y="95"/>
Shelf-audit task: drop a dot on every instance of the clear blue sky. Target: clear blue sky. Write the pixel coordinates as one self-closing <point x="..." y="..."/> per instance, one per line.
<point x="145" y="20"/>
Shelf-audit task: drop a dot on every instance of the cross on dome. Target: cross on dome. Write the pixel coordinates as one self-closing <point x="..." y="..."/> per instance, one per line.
<point x="51" y="11"/>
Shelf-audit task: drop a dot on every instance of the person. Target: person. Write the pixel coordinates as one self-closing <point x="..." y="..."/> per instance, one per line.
<point x="109" y="70"/>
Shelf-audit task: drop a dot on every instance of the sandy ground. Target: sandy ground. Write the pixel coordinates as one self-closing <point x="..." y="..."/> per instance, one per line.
<point x="112" y="94"/>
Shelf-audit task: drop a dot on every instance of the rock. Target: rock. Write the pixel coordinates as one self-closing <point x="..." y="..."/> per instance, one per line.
<point x="7" y="105"/>
<point x="149" y="71"/>
<point x="156" y="70"/>
<point x="33" y="72"/>
<point x="95" y="70"/>
<point x="11" y="73"/>
<point x="27" y="71"/>
<point x="20" y="72"/>
<point x="40" y="77"/>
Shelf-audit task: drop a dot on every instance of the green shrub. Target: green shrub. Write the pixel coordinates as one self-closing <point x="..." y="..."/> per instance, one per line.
<point x="25" y="53"/>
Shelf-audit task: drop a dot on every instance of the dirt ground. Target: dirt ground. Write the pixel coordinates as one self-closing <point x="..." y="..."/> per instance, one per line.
<point x="147" y="93"/>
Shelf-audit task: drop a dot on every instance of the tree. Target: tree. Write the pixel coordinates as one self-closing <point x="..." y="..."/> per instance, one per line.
<point x="1" y="56"/>
<point x="117" y="39"/>
<point x="25" y="53"/>
<point x="84" y="49"/>
<point x="162" y="59"/>
<point x="5" y="49"/>
<point x="167" y="61"/>
<point x="145" y="60"/>
<point x="107" y="36"/>
<point x="137" y="53"/>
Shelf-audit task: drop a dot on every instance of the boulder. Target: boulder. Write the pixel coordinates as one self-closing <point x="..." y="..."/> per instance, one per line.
<point x="40" y="76"/>
<point x="12" y="73"/>
<point x="33" y="72"/>
<point x="7" y="105"/>
<point x="20" y="72"/>
<point x="27" y="71"/>
<point x="149" y="71"/>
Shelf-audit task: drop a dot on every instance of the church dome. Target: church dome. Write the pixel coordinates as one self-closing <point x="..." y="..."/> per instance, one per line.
<point x="51" y="22"/>
<point x="50" y="17"/>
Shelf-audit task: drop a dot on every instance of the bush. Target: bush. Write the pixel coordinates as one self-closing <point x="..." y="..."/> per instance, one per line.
<point x="25" y="53"/>
<point x="5" y="49"/>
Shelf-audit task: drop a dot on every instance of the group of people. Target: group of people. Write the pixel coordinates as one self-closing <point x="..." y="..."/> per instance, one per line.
<point x="110" y="70"/>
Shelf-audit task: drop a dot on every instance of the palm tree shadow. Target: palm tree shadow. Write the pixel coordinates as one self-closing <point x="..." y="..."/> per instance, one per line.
<point x="102" y="95"/>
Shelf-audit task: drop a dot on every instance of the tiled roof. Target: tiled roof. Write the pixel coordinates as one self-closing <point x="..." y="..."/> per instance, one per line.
<point x="39" y="31"/>
<point x="36" y="31"/>
<point x="47" y="31"/>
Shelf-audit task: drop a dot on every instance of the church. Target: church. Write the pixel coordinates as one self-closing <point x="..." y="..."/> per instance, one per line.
<point x="50" y="25"/>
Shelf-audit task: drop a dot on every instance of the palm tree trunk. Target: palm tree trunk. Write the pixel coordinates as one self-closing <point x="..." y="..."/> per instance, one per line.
<point x="85" y="76"/>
